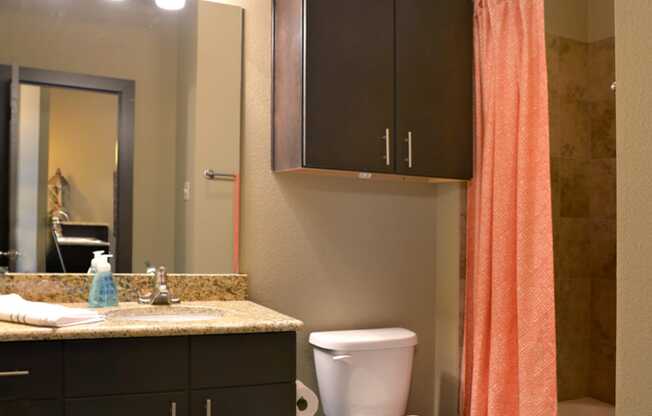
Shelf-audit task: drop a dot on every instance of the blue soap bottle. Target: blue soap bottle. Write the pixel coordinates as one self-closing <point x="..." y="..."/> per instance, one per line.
<point x="103" y="292"/>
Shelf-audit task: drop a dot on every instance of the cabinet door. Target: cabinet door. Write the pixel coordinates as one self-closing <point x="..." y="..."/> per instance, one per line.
<point x="434" y="63"/>
<point x="167" y="404"/>
<point x="349" y="85"/>
<point x="100" y="367"/>
<point x="268" y="400"/>
<point x="31" y="408"/>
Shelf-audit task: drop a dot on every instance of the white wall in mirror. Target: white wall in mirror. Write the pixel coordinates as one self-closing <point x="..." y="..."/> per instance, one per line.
<point x="209" y="98"/>
<point x="31" y="177"/>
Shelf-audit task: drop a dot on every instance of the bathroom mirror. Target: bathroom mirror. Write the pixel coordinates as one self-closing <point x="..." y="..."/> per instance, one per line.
<point x="119" y="131"/>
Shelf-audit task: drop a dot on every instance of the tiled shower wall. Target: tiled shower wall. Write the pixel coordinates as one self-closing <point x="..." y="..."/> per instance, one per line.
<point x="583" y="171"/>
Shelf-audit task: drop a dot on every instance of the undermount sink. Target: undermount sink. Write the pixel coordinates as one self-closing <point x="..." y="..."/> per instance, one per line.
<point x="166" y="314"/>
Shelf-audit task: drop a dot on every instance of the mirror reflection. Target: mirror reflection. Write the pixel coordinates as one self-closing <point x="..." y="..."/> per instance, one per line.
<point x="66" y="164"/>
<point x="124" y="135"/>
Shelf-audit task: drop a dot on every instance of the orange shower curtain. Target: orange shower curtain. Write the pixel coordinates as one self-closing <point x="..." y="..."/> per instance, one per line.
<point x="509" y="361"/>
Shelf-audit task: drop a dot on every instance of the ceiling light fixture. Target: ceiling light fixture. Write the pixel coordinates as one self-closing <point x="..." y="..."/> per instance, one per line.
<point x="171" y="4"/>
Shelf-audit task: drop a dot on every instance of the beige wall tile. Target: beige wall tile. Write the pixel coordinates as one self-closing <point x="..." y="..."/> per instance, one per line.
<point x="603" y="249"/>
<point x="573" y="337"/>
<point x="573" y="60"/>
<point x="603" y="128"/>
<point x="575" y="119"/>
<point x="602" y="184"/>
<point x="574" y="183"/>
<point x="574" y="244"/>
<point x="602" y="69"/>
<point x="603" y="340"/>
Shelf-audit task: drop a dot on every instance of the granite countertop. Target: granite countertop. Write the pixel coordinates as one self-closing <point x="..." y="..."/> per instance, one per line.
<point x="74" y="287"/>
<point x="237" y="316"/>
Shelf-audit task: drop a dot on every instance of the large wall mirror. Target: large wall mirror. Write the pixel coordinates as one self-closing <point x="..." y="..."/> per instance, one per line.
<point x="119" y="131"/>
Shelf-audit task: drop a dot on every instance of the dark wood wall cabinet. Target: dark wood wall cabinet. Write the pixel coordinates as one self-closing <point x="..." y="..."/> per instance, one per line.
<point x="211" y="375"/>
<point x="374" y="86"/>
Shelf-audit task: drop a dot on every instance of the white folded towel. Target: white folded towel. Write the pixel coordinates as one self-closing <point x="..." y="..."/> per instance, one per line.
<point x="14" y="308"/>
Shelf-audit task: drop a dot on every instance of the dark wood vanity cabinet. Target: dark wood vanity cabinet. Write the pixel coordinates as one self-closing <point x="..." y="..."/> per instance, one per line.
<point x="243" y="375"/>
<point x="380" y="86"/>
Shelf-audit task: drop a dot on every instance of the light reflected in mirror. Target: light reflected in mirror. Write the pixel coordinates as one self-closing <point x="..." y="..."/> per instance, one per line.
<point x="118" y="109"/>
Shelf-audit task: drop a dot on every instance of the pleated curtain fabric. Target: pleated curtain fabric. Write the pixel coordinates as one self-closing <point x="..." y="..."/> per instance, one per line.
<point x="509" y="359"/>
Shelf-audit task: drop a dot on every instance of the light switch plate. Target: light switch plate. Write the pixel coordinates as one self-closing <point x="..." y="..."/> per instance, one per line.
<point x="186" y="191"/>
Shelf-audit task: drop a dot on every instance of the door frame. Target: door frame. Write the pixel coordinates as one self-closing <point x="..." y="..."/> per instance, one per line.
<point x="125" y="90"/>
<point x="5" y="117"/>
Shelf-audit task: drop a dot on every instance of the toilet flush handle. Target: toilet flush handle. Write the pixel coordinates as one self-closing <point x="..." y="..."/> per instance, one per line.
<point x="341" y="357"/>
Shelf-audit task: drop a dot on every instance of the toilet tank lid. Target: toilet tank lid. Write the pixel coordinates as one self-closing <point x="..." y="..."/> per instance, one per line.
<point x="364" y="339"/>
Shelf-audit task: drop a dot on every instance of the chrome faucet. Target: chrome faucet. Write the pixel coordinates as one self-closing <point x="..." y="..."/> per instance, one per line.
<point x="161" y="294"/>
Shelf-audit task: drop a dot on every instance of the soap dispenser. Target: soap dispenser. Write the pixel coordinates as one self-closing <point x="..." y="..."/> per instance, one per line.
<point x="103" y="292"/>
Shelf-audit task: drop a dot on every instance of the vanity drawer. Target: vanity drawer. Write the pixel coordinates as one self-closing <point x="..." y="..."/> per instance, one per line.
<point x="31" y="408"/>
<point x="124" y="366"/>
<point x="166" y="404"/>
<point x="270" y="400"/>
<point x="241" y="360"/>
<point x="30" y="370"/>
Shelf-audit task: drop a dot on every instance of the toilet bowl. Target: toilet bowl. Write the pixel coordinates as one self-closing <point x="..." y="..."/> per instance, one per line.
<point x="364" y="372"/>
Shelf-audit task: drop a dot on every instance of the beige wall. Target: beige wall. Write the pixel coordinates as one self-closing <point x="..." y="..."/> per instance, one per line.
<point x="336" y="253"/>
<point x="449" y="262"/>
<point x="583" y="20"/>
<point x="126" y="41"/>
<point x="634" y="124"/>
<point x="82" y="143"/>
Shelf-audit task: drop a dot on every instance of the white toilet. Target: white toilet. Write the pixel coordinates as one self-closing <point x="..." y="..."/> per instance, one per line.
<point x="364" y="372"/>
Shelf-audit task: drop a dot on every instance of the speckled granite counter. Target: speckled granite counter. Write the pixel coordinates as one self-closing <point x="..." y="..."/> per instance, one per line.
<point x="71" y="288"/>
<point x="236" y="317"/>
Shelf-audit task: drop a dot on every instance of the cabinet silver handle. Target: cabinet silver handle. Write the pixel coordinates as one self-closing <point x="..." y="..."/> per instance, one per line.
<point x="209" y="407"/>
<point x="388" y="159"/>
<point x="14" y="373"/>
<point x="409" y="142"/>
<point x="173" y="409"/>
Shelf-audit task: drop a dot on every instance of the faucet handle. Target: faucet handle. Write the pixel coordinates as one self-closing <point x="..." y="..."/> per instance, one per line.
<point x="161" y="294"/>
<point x="161" y="280"/>
<point x="144" y="297"/>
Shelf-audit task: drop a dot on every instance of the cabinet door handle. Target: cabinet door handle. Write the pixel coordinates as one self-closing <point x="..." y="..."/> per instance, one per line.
<point x="209" y="407"/>
<point x="14" y="373"/>
<point x="388" y="158"/>
<point x="409" y="143"/>
<point x="173" y="409"/>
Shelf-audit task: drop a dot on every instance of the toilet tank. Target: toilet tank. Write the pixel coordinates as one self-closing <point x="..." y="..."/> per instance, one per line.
<point x="364" y="372"/>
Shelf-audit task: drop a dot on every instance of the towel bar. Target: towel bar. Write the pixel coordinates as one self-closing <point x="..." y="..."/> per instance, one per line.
<point x="211" y="175"/>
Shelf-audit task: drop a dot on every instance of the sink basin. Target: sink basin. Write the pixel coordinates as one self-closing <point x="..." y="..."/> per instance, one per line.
<point x="165" y="314"/>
